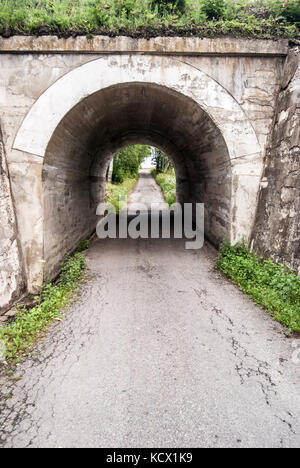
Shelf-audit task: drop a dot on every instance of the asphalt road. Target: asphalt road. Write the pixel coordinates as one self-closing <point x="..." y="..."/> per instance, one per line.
<point x="159" y="351"/>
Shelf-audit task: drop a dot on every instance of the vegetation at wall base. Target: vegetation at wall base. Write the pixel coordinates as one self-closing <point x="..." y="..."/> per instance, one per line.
<point x="151" y="18"/>
<point x="167" y="183"/>
<point x="270" y="285"/>
<point x="20" y="335"/>
<point x="116" y="191"/>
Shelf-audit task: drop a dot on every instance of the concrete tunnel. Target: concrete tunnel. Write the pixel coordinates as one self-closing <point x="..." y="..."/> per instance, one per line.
<point x="94" y="130"/>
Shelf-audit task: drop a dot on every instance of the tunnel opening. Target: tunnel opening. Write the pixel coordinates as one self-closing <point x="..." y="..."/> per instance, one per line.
<point x="100" y="125"/>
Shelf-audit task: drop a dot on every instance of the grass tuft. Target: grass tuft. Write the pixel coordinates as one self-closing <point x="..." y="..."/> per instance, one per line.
<point x="20" y="335"/>
<point x="167" y="183"/>
<point x="272" y="286"/>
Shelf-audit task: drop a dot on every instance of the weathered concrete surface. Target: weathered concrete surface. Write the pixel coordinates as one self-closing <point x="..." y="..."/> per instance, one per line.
<point x="159" y="351"/>
<point x="277" y="228"/>
<point x="11" y="278"/>
<point x="159" y="45"/>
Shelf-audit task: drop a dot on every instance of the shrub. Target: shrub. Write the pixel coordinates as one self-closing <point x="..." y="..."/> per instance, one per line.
<point x="167" y="183"/>
<point x="170" y="5"/>
<point x="214" y="9"/>
<point x="271" y="285"/>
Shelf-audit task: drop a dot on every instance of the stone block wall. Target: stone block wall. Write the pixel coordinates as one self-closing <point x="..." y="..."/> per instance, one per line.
<point x="277" y="228"/>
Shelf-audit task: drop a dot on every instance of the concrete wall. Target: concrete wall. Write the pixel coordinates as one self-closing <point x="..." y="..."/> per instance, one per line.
<point x="11" y="278"/>
<point x="56" y="159"/>
<point x="277" y="228"/>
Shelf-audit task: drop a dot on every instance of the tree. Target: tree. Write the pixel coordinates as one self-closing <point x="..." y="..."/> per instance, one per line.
<point x="161" y="161"/>
<point x="128" y="161"/>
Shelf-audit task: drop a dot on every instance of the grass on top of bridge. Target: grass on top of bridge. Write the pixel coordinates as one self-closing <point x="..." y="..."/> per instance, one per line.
<point x="150" y="18"/>
<point x="272" y="286"/>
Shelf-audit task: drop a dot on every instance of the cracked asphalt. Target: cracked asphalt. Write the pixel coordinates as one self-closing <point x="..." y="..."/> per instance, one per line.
<point x="159" y="351"/>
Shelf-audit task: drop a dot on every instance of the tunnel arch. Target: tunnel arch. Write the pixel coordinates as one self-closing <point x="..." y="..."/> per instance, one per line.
<point x="95" y="110"/>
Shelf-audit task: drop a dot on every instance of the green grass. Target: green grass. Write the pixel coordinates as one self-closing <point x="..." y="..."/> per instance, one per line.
<point x="144" y="18"/>
<point x="270" y="285"/>
<point x="20" y="335"/>
<point x="83" y="245"/>
<point x="167" y="182"/>
<point x="115" y="191"/>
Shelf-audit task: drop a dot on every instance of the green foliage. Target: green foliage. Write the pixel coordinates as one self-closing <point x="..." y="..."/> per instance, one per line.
<point x="167" y="182"/>
<point x="271" y="285"/>
<point x="161" y="161"/>
<point x="213" y="9"/>
<point x="127" y="163"/>
<point x="292" y="12"/>
<point x="165" y="6"/>
<point x="150" y="18"/>
<point x="83" y="245"/>
<point x="116" y="191"/>
<point x="20" y="335"/>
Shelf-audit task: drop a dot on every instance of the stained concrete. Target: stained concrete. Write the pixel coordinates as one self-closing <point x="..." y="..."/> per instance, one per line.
<point x="277" y="228"/>
<point x="159" y="351"/>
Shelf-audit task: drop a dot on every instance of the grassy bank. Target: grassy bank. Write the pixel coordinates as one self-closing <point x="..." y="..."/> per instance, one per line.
<point x="270" y="285"/>
<point x="20" y="335"/>
<point x="115" y="191"/>
<point x="167" y="182"/>
<point x="149" y="18"/>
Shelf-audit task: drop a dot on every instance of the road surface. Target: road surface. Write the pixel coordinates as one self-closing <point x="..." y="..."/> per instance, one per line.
<point x="159" y="351"/>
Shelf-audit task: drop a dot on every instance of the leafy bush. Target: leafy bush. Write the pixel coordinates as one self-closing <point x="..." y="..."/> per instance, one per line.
<point x="271" y="285"/>
<point x="127" y="163"/>
<point x="167" y="182"/>
<point x="20" y="335"/>
<point x="213" y="9"/>
<point x="83" y="245"/>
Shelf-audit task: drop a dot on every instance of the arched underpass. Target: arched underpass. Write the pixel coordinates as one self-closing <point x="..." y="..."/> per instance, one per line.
<point x="93" y="131"/>
<point x="74" y="128"/>
<point x="160" y="350"/>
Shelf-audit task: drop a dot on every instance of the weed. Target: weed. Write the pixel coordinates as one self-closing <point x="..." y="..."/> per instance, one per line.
<point x="83" y="245"/>
<point x="20" y="335"/>
<point x="167" y="182"/>
<point x="271" y="285"/>
<point x="116" y="194"/>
